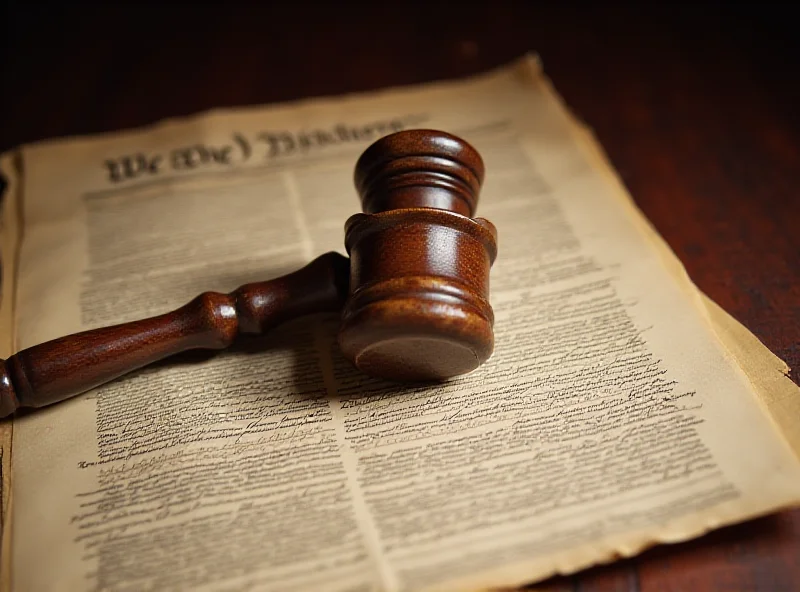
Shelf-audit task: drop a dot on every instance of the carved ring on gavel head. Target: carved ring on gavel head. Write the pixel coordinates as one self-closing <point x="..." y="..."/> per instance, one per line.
<point x="414" y="294"/>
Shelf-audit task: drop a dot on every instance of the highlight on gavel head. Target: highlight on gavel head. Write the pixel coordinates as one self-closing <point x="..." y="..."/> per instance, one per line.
<point x="418" y="306"/>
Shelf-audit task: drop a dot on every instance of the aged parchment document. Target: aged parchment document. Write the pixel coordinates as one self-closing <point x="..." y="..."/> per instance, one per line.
<point x="620" y="409"/>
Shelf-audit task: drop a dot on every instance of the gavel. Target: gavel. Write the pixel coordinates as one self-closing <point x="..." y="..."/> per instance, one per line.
<point x="413" y="296"/>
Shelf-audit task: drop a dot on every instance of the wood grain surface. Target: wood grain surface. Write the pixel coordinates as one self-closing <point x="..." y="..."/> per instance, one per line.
<point x="696" y="106"/>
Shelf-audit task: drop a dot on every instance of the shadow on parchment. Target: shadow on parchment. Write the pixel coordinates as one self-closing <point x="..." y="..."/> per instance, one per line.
<point x="299" y="340"/>
<point x="292" y="360"/>
<point x="287" y="360"/>
<point x="317" y="367"/>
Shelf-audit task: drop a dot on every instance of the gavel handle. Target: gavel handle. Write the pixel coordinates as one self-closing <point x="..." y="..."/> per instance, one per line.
<point x="65" y="367"/>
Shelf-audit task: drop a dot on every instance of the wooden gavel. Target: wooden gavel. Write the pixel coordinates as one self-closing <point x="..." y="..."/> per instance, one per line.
<point x="413" y="295"/>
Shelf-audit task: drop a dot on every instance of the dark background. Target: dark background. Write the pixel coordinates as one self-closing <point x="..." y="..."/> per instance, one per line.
<point x="696" y="105"/>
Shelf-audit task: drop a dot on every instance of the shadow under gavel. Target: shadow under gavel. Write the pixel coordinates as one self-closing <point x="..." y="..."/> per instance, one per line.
<point x="413" y="295"/>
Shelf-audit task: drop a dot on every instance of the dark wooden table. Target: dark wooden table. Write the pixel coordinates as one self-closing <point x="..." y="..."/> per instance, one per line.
<point x="696" y="106"/>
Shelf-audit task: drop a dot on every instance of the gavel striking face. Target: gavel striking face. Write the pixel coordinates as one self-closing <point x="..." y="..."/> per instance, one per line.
<point x="413" y="295"/>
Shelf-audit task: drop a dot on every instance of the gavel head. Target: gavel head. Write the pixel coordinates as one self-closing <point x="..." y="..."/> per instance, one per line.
<point x="418" y="306"/>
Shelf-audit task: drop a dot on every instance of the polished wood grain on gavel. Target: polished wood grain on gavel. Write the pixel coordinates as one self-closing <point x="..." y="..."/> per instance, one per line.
<point x="413" y="295"/>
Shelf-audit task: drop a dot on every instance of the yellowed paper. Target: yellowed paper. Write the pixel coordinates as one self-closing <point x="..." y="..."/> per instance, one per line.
<point x="768" y="373"/>
<point x="610" y="418"/>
